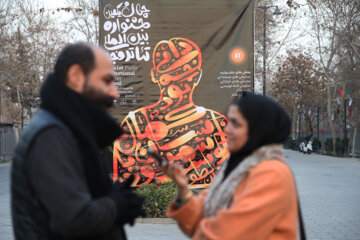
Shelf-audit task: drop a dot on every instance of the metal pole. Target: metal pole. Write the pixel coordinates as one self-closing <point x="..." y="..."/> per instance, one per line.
<point x="22" y="117"/>
<point x="0" y="106"/>
<point x="264" y="56"/>
<point x="318" y="124"/>
<point x="345" y="134"/>
<point x="299" y="125"/>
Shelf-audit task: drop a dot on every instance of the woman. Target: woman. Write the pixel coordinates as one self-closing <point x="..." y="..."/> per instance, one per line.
<point x="253" y="196"/>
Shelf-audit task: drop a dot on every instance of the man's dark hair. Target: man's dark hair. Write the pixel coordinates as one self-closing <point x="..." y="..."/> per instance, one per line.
<point x="77" y="53"/>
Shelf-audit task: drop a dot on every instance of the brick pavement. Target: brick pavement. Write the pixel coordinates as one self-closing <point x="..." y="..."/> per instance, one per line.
<point x="5" y="221"/>
<point x="329" y="194"/>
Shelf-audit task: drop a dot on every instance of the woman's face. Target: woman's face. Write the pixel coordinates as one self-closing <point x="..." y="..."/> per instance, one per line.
<point x="237" y="129"/>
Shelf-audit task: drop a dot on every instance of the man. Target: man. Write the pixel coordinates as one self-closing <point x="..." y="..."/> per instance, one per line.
<point x="60" y="188"/>
<point x="174" y="126"/>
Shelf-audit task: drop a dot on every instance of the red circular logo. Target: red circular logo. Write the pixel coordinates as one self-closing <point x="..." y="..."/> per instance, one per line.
<point x="237" y="55"/>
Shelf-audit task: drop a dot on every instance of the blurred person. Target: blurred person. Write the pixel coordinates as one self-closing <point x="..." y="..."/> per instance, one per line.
<point x="302" y="146"/>
<point x="60" y="187"/>
<point x="253" y="196"/>
<point x="293" y="143"/>
<point x="309" y="147"/>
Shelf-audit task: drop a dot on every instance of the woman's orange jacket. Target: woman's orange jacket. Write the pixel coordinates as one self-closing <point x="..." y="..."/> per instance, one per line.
<point x="264" y="207"/>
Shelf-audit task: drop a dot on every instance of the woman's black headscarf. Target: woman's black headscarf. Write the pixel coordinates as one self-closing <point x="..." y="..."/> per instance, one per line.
<point x="268" y="124"/>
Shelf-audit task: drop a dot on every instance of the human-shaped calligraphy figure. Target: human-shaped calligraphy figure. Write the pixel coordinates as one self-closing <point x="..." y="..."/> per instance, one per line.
<point x="176" y="128"/>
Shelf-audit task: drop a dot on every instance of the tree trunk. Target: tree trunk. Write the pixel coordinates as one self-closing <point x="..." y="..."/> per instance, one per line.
<point x="20" y="105"/>
<point x="309" y="130"/>
<point x="342" y="111"/>
<point x="16" y="126"/>
<point x="29" y="113"/>
<point x="330" y="112"/>
<point x="354" y="143"/>
<point x="22" y="117"/>
<point x="294" y="124"/>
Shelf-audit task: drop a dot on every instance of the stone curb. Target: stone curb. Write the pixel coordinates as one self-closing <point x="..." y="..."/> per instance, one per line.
<point x="155" y="221"/>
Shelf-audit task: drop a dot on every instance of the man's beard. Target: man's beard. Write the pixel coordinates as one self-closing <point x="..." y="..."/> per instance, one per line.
<point x="98" y="97"/>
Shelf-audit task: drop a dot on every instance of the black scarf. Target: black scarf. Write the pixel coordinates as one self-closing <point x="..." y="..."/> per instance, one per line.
<point x="268" y="124"/>
<point x="91" y="125"/>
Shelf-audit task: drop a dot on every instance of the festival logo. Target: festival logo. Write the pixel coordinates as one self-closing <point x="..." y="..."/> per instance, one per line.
<point x="174" y="127"/>
<point x="125" y="31"/>
<point x="237" y="55"/>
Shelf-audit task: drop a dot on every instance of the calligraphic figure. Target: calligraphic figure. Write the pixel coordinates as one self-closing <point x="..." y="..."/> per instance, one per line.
<point x="176" y="128"/>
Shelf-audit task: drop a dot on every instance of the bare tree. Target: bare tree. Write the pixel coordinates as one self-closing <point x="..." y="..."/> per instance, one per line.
<point x="31" y="43"/>
<point x="85" y="19"/>
<point x="299" y="87"/>
<point x="329" y="18"/>
<point x="259" y="39"/>
<point x="348" y="66"/>
<point x="280" y="31"/>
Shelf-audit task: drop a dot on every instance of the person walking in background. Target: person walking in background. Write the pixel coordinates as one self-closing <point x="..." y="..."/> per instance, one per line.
<point x="293" y="144"/>
<point x="254" y="195"/>
<point x="60" y="188"/>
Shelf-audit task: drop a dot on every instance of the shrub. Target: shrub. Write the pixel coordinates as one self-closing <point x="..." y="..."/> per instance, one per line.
<point x="157" y="197"/>
<point x="288" y="143"/>
<point x="328" y="146"/>
<point x="315" y="144"/>
<point x="339" y="146"/>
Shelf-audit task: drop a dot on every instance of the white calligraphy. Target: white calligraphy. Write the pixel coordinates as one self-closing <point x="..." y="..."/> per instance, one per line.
<point x="239" y="80"/>
<point x="125" y="37"/>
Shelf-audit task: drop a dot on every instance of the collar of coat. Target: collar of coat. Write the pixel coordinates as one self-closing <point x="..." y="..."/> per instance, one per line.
<point x="82" y="115"/>
<point x="221" y="192"/>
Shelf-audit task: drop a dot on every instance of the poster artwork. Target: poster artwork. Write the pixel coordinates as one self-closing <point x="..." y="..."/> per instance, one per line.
<point x="174" y="126"/>
<point x="126" y="37"/>
<point x="178" y="119"/>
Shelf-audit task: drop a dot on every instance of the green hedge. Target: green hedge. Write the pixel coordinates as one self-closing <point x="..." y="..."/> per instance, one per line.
<point x="328" y="146"/>
<point x="157" y="197"/>
<point x="315" y="144"/>
<point x="339" y="146"/>
<point x="288" y="142"/>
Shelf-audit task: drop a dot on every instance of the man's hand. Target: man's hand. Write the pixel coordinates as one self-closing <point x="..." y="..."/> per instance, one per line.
<point x="128" y="203"/>
<point x="128" y="182"/>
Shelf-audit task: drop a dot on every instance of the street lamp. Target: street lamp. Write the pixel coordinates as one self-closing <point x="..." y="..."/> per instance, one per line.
<point x="345" y="133"/>
<point x="0" y="106"/>
<point x="276" y="12"/>
<point x="299" y="128"/>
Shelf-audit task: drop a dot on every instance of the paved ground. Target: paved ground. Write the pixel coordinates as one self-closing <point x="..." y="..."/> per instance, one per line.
<point x="329" y="194"/>
<point x="5" y="221"/>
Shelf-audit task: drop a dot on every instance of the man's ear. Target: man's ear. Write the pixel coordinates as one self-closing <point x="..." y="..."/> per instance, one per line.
<point x="75" y="78"/>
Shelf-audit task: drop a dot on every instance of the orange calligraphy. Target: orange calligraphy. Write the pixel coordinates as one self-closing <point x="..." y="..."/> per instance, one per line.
<point x="174" y="126"/>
